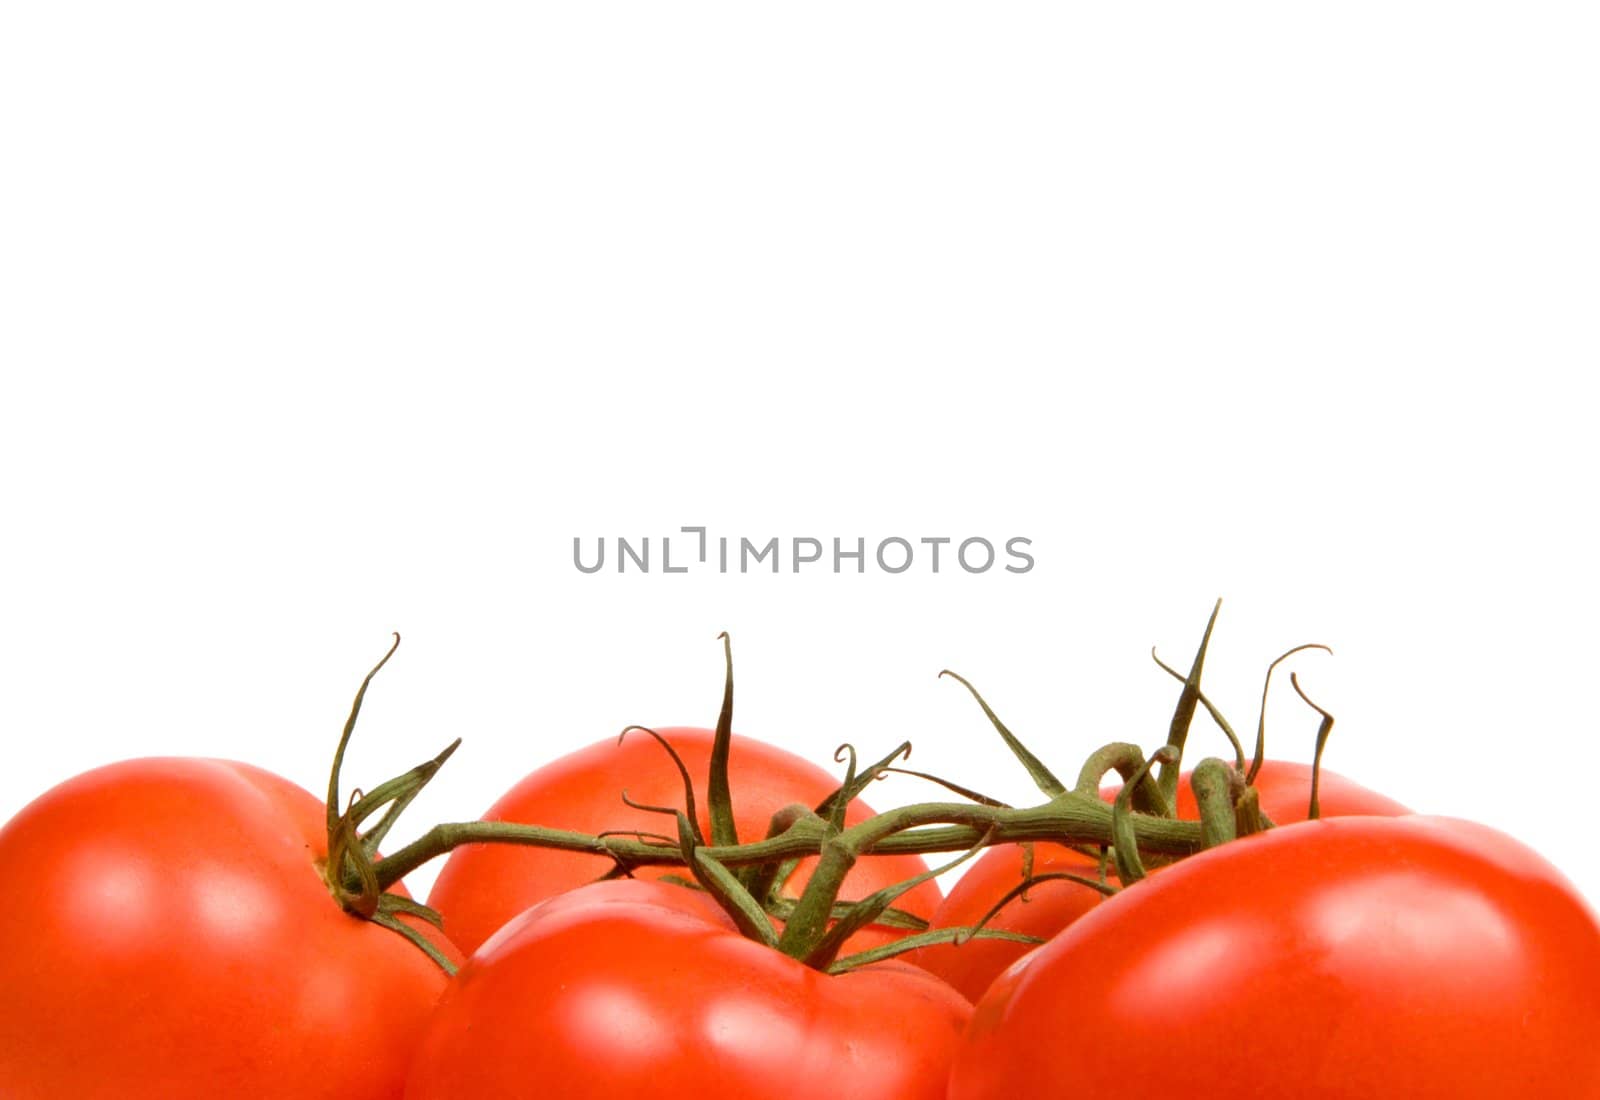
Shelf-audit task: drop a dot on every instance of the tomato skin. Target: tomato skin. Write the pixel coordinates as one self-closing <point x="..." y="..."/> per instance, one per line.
<point x="482" y="886"/>
<point x="168" y="936"/>
<point x="624" y="989"/>
<point x="1283" y="787"/>
<point x="1343" y="959"/>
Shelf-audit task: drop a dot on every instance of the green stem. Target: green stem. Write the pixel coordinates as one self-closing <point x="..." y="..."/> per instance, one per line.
<point x="812" y="913"/>
<point x="1128" y="761"/>
<point x="920" y="829"/>
<point x="1212" y="782"/>
<point x="1248" y="819"/>
<point x="763" y="880"/>
<point x="1125" y="837"/>
<point x="820" y="954"/>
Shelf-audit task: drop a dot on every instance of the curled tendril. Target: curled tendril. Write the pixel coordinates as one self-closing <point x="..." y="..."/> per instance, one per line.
<point x="834" y="806"/>
<point x="1261" y="724"/>
<point x="683" y="773"/>
<point x="847" y="752"/>
<point x="841" y="801"/>
<point x="1325" y="728"/>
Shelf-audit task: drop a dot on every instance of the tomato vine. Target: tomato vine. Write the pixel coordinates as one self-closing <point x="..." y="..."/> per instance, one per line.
<point x="1137" y="826"/>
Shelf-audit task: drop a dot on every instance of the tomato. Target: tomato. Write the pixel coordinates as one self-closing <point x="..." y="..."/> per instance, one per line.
<point x="168" y="935"/>
<point x="1344" y="959"/>
<point x="1283" y="787"/>
<point x="481" y="887"/>
<point x="625" y="989"/>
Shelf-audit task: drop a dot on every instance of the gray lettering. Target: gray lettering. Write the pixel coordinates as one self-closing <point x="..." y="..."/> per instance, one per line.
<point x="805" y="559"/>
<point x="577" y="558"/>
<point x="701" y="531"/>
<point x="1022" y="555"/>
<point x="624" y="551"/>
<point x="961" y="555"/>
<point x="860" y="554"/>
<point x="894" y="555"/>
<point x="746" y="547"/>
<point x="884" y="564"/>
<point x="666" y="557"/>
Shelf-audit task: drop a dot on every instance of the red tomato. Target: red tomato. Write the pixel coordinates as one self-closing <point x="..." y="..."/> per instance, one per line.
<point x="625" y="989"/>
<point x="168" y="935"/>
<point x="482" y="886"/>
<point x="1283" y="787"/>
<point x="1345" y="959"/>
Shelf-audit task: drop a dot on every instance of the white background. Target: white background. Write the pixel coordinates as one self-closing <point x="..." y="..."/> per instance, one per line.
<point x="321" y="321"/>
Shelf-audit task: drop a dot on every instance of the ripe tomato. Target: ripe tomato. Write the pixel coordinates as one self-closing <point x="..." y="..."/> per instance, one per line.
<point x="1344" y="959"/>
<point x="1283" y="787"/>
<point x="168" y="935"/>
<point x="482" y="886"/>
<point x="624" y="989"/>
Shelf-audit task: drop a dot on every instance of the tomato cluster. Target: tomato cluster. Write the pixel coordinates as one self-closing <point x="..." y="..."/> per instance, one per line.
<point x="739" y="923"/>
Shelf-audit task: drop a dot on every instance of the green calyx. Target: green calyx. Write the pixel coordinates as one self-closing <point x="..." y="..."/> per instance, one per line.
<point x="350" y="869"/>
